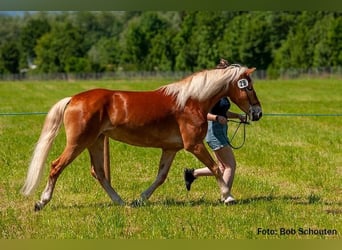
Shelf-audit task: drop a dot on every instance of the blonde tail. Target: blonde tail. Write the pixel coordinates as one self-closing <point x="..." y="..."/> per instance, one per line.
<point x="52" y="124"/>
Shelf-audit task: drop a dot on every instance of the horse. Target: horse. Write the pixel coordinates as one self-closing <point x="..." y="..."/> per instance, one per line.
<point x="171" y="117"/>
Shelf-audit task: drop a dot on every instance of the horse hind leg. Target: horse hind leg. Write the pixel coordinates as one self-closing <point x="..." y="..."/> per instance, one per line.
<point x="97" y="156"/>
<point x="106" y="164"/>
<point x="164" y="167"/>
<point x="57" y="166"/>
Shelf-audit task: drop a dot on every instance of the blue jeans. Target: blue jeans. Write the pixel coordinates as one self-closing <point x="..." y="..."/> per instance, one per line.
<point x="217" y="135"/>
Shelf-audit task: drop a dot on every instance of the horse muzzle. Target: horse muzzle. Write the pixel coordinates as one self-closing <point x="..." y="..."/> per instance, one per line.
<point x="255" y="113"/>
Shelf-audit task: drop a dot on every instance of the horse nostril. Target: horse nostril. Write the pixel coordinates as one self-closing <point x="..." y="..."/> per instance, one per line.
<point x="257" y="116"/>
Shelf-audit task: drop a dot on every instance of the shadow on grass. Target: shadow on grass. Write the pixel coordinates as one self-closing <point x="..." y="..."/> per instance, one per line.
<point x="270" y="198"/>
<point x="90" y="205"/>
<point x="205" y="202"/>
<point x="311" y="199"/>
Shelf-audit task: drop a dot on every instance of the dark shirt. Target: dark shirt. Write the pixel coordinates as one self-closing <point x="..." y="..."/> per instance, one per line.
<point x="221" y="107"/>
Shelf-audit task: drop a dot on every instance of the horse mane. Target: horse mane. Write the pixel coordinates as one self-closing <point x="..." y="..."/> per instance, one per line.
<point x="204" y="84"/>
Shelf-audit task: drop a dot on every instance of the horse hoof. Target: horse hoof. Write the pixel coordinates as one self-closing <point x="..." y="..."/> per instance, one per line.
<point x="138" y="203"/>
<point x="38" y="206"/>
<point x="230" y="200"/>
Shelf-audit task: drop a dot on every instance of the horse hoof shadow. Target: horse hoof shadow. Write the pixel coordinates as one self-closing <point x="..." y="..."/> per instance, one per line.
<point x="139" y="203"/>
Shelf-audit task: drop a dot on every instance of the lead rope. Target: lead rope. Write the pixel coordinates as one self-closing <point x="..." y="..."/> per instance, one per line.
<point x="236" y="130"/>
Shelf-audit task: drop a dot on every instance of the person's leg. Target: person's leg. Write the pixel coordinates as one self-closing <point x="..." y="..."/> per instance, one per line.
<point x="191" y="174"/>
<point x="226" y="158"/>
<point x="202" y="172"/>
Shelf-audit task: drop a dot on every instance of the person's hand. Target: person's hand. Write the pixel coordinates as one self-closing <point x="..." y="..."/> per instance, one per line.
<point x="221" y="119"/>
<point x="243" y="118"/>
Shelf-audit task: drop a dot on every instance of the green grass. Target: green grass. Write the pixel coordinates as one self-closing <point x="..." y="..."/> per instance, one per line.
<point x="288" y="174"/>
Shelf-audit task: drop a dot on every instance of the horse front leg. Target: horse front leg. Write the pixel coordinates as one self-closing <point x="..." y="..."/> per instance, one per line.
<point x="164" y="167"/>
<point x="201" y="153"/>
<point x="193" y="135"/>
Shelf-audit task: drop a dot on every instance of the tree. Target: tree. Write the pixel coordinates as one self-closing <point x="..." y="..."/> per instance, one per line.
<point x="10" y="50"/>
<point x="185" y="50"/>
<point x="137" y="40"/>
<point x="10" y="28"/>
<point x="77" y="65"/>
<point x="209" y="31"/>
<point x="55" y="48"/>
<point x="30" y="34"/>
<point x="105" y="55"/>
<point x="10" y="56"/>
<point x="312" y="42"/>
<point x="161" y="55"/>
<point x="335" y="36"/>
<point x="229" y="46"/>
<point x="179" y="41"/>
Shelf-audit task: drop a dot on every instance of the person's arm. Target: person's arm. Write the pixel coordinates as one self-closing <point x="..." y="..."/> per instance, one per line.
<point x="218" y="118"/>
<point x="236" y="116"/>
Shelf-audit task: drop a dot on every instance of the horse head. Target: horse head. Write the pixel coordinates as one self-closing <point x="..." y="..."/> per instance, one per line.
<point x="242" y="93"/>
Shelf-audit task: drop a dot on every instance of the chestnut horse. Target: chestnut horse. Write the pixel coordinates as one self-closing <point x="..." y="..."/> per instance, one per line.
<point x="171" y="117"/>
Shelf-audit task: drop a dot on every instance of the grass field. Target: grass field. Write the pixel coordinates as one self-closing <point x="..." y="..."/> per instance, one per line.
<point x="288" y="179"/>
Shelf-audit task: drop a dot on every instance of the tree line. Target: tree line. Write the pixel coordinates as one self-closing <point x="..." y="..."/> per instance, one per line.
<point x="75" y="42"/>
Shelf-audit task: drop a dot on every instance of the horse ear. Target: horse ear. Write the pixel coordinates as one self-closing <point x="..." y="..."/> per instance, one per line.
<point x="223" y="64"/>
<point x="250" y="71"/>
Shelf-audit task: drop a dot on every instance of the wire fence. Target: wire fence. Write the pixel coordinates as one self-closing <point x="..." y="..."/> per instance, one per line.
<point x="319" y="72"/>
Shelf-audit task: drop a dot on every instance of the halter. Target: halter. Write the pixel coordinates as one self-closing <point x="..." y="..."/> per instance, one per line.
<point x="243" y="84"/>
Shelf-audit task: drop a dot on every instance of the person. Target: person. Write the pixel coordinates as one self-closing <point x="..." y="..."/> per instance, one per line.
<point x="217" y="139"/>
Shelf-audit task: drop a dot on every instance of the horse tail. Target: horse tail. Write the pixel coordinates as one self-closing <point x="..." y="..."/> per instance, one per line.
<point x="52" y="124"/>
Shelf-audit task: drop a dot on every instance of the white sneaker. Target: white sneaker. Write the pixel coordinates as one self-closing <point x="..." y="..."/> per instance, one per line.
<point x="229" y="200"/>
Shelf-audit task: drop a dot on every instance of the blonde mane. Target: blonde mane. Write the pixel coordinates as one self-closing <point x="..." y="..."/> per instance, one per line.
<point x="203" y="85"/>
